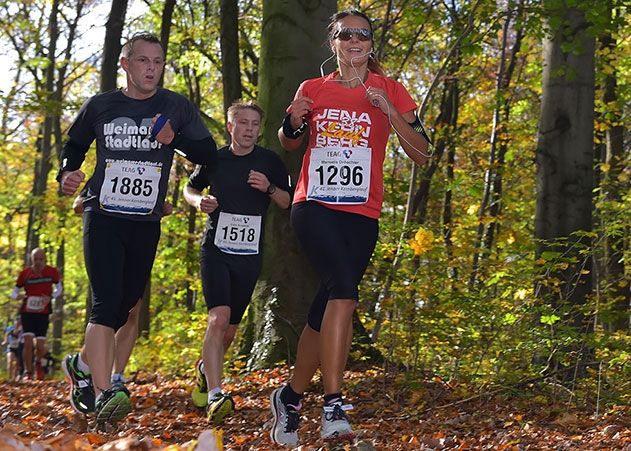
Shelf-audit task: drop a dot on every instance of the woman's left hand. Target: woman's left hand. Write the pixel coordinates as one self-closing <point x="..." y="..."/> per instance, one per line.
<point x="379" y="99"/>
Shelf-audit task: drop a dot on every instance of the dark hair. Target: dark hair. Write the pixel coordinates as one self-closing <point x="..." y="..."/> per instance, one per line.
<point x="128" y="48"/>
<point x="373" y="64"/>
<point x="239" y="105"/>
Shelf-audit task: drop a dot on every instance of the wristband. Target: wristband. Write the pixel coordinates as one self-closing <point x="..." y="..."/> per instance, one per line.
<point x="289" y="131"/>
<point x="155" y="129"/>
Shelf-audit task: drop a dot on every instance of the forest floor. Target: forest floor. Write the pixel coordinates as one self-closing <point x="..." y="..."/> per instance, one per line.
<point x="389" y="414"/>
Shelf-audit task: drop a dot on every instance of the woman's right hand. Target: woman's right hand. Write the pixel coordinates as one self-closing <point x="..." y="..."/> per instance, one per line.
<point x="298" y="109"/>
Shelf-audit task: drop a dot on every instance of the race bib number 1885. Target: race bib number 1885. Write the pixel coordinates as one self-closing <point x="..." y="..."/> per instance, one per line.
<point x="130" y="186"/>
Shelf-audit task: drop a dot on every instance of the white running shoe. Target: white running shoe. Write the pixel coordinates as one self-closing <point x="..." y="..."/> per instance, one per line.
<point x="335" y="425"/>
<point x="286" y="420"/>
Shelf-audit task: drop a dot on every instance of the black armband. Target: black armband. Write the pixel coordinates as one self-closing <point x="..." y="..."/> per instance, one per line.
<point x="418" y="126"/>
<point x="289" y="131"/>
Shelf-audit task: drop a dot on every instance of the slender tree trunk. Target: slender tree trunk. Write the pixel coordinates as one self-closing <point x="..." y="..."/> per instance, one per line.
<point x="418" y="201"/>
<point x="491" y="199"/>
<point x="191" y="266"/>
<point x="44" y="164"/>
<point x="165" y="29"/>
<point x="144" y="315"/>
<point x="58" y="311"/>
<point x="112" y="45"/>
<point x="447" y="211"/>
<point x="230" y="68"/>
<point x="616" y="283"/>
<point x="418" y="198"/>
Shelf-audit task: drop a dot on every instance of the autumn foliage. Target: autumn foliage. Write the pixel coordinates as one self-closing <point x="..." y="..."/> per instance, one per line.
<point x="390" y="413"/>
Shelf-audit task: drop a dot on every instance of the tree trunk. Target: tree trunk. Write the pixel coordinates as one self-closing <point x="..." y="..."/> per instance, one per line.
<point x="165" y="29"/>
<point x="564" y="161"/>
<point x="492" y="197"/>
<point x="44" y="141"/>
<point x="191" y="257"/>
<point x="112" y="45"/>
<point x="287" y="284"/>
<point x="418" y="200"/>
<point x="230" y="68"/>
<point x="58" y="311"/>
<point x="144" y="315"/>
<point x="615" y="282"/>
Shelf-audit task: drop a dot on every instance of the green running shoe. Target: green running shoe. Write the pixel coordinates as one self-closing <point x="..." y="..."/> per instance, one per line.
<point x="220" y="407"/>
<point x="112" y="405"/>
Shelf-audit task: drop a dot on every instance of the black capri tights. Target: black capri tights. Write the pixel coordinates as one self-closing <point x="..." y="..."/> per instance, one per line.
<point x="118" y="254"/>
<point x="339" y="245"/>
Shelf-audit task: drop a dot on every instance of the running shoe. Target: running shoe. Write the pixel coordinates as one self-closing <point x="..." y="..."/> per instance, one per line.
<point x="39" y="371"/>
<point x="335" y="425"/>
<point x="112" y="405"/>
<point x="219" y="407"/>
<point x="286" y="420"/>
<point x="81" y="389"/>
<point x="200" y="391"/>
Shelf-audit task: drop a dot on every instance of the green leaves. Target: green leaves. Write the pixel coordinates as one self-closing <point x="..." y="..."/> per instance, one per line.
<point x="549" y="319"/>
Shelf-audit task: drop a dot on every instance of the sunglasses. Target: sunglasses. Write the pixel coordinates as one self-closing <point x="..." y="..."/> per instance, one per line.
<point x="345" y="34"/>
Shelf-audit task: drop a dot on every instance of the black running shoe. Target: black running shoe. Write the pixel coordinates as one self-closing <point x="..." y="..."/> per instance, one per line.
<point x="81" y="389"/>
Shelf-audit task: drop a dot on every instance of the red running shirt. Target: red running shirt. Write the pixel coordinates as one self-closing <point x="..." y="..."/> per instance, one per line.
<point x="342" y="167"/>
<point x="37" y="285"/>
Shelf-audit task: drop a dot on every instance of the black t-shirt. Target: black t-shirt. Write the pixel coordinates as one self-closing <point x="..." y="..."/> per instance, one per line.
<point x="132" y="171"/>
<point x="234" y="231"/>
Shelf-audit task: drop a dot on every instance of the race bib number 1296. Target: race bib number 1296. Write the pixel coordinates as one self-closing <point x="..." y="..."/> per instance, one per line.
<point x="339" y="175"/>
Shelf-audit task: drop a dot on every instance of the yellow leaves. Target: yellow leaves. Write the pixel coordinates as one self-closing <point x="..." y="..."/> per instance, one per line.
<point x="422" y="242"/>
<point x="521" y="294"/>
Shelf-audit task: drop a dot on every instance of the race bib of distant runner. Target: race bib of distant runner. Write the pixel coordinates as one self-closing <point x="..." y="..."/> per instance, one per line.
<point x="238" y="234"/>
<point x="130" y="186"/>
<point x="36" y="304"/>
<point x="339" y="175"/>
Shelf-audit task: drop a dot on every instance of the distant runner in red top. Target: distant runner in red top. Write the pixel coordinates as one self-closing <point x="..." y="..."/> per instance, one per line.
<point x="41" y="283"/>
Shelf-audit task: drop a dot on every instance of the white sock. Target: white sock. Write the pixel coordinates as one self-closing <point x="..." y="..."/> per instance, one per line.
<point x="82" y="366"/>
<point x="118" y="377"/>
<point x="213" y="392"/>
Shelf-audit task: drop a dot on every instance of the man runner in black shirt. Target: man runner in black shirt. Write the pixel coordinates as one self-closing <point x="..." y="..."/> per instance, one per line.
<point x="123" y="206"/>
<point x="242" y="184"/>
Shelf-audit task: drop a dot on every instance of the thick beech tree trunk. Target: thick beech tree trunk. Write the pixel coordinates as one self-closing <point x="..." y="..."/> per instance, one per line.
<point x="287" y="283"/>
<point x="564" y="161"/>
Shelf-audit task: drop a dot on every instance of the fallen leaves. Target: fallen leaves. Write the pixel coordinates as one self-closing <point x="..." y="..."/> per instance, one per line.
<point x="388" y="415"/>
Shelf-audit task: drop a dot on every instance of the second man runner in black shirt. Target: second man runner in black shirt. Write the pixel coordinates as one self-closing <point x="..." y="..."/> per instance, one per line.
<point x="242" y="184"/>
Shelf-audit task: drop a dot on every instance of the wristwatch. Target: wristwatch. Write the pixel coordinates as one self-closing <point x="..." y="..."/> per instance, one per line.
<point x="271" y="189"/>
